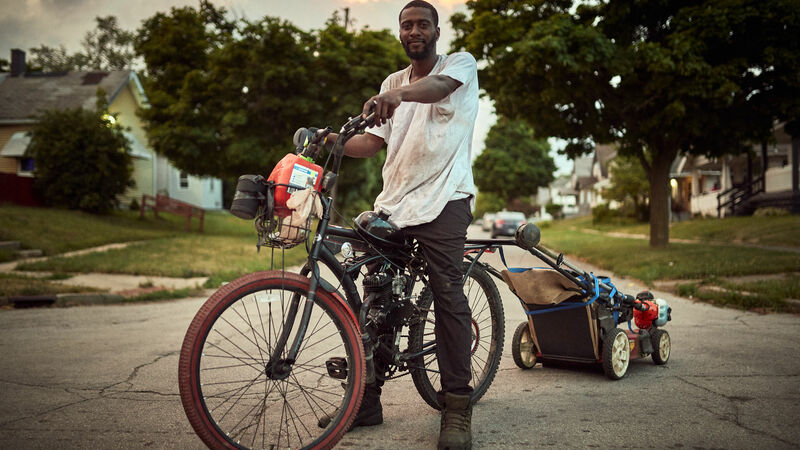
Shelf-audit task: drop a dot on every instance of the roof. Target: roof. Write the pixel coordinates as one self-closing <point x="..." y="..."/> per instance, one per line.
<point x="137" y="149"/>
<point x="16" y="145"/>
<point x="585" y="182"/>
<point x="583" y="166"/>
<point x="604" y="153"/>
<point x="23" y="97"/>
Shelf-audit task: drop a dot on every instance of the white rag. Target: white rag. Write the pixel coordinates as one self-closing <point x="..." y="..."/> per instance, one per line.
<point x="303" y="203"/>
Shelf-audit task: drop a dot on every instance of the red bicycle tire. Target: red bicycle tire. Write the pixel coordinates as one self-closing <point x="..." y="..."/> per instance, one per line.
<point x="193" y="344"/>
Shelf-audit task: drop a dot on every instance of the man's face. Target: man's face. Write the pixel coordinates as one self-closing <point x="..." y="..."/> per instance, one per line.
<point x="418" y="33"/>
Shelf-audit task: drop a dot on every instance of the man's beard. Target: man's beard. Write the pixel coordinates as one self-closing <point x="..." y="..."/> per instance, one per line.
<point x="426" y="52"/>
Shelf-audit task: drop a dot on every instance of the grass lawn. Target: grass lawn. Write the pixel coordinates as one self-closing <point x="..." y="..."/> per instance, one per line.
<point x="225" y="249"/>
<point x="703" y="265"/>
<point x="770" y="231"/>
<point x="220" y="257"/>
<point x="12" y="285"/>
<point x="57" y="231"/>
<point x="765" y="295"/>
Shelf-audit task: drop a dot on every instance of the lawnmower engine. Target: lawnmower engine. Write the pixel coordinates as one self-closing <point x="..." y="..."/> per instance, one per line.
<point x="658" y="312"/>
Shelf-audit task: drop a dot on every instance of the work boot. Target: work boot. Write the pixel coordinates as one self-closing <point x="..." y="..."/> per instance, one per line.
<point x="369" y="413"/>
<point x="456" y="429"/>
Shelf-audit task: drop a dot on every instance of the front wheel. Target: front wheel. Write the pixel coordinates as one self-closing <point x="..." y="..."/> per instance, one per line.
<point x="616" y="354"/>
<point x="233" y="395"/>
<point x="487" y="338"/>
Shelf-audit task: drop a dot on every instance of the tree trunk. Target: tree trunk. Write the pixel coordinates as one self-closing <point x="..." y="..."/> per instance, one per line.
<point x="660" y="197"/>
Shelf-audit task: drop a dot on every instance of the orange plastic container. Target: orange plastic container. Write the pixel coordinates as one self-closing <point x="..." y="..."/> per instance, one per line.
<point x="293" y="173"/>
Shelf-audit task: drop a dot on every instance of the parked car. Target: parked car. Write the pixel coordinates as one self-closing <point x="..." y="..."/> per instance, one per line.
<point x="488" y="220"/>
<point x="506" y="223"/>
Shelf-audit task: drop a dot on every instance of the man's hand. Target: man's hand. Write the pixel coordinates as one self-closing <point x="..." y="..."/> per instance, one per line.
<point x="429" y="89"/>
<point x="383" y="105"/>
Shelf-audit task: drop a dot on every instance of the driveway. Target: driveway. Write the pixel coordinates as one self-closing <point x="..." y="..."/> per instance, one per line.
<point x="106" y="377"/>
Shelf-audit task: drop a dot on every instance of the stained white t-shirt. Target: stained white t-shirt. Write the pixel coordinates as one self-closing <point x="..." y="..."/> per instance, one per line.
<point x="429" y="146"/>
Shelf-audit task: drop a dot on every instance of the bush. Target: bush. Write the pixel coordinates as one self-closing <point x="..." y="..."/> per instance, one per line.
<point x="770" y="211"/>
<point x="81" y="159"/>
<point x="134" y="206"/>
<point x="603" y="213"/>
<point x="554" y="209"/>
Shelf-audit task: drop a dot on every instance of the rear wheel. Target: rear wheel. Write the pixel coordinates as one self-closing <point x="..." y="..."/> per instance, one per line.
<point x="616" y="354"/>
<point x="523" y="350"/>
<point x="231" y="393"/>
<point x="662" y="346"/>
<point x="487" y="338"/>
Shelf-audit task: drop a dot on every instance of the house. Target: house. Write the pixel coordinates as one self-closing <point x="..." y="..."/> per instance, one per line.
<point x="590" y="176"/>
<point x="23" y="95"/>
<point x="736" y="184"/>
<point x="559" y="192"/>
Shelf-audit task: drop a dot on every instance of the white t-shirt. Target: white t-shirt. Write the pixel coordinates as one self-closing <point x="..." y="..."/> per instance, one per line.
<point x="429" y="146"/>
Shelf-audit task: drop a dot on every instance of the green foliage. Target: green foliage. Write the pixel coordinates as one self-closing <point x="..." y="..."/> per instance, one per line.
<point x="555" y="210"/>
<point x="108" y="47"/>
<point x="81" y="158"/>
<point x="226" y="97"/>
<point x="488" y="202"/>
<point x="602" y="213"/>
<point x="770" y="211"/>
<point x="514" y="163"/>
<point x="657" y="77"/>
<point x="630" y="187"/>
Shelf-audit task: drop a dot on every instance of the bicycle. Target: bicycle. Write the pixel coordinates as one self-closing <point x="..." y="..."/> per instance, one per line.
<point x="279" y="359"/>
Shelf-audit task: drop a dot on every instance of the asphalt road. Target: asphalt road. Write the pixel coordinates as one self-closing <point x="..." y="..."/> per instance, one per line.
<point x="106" y="377"/>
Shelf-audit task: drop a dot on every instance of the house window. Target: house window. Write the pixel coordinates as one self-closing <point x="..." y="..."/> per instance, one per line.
<point x="26" y="165"/>
<point x="184" y="180"/>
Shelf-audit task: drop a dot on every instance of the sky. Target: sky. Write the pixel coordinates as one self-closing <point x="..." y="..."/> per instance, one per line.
<point x="26" y="24"/>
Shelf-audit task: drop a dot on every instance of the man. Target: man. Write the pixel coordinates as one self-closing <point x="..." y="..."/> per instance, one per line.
<point x="426" y="116"/>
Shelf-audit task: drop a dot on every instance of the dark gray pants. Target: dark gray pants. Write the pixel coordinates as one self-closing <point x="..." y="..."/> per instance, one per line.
<point x="442" y="245"/>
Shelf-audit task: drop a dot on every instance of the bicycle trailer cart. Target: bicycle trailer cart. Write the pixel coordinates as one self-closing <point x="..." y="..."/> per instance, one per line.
<point x="577" y="317"/>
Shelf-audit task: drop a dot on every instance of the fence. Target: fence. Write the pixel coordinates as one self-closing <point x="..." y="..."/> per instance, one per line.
<point x="162" y="203"/>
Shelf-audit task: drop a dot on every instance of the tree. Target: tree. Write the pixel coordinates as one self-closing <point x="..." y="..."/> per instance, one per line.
<point x="227" y="97"/>
<point x="107" y="47"/>
<point x="487" y="202"/>
<point x="514" y="163"/>
<point x="81" y="158"/>
<point x="629" y="186"/>
<point x="656" y="77"/>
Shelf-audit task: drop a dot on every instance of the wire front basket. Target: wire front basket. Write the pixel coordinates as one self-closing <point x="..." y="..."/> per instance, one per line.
<point x="278" y="226"/>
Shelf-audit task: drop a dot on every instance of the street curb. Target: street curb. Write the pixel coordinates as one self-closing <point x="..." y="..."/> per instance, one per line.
<point x="61" y="300"/>
<point x="87" y="299"/>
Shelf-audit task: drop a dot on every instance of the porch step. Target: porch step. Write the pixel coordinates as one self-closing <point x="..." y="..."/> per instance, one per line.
<point x="782" y="200"/>
<point x="9" y="245"/>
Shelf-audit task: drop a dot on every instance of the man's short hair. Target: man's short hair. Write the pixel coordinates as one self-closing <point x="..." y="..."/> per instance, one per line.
<point x="421" y="4"/>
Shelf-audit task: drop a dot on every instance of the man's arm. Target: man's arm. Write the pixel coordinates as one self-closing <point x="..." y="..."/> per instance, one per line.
<point x="360" y="146"/>
<point x="429" y="89"/>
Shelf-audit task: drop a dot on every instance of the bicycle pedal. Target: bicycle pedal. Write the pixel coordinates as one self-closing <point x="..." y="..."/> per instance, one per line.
<point x="337" y="367"/>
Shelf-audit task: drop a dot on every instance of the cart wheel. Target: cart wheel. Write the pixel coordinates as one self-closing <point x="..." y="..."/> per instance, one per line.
<point x="616" y="354"/>
<point x="522" y="347"/>
<point x="662" y="346"/>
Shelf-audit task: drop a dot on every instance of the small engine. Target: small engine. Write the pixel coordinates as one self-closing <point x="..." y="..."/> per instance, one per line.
<point x="658" y="312"/>
<point x="387" y="306"/>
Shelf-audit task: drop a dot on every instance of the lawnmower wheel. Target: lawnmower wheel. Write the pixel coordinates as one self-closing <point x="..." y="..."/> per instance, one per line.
<point x="662" y="346"/>
<point x="616" y="354"/>
<point x="522" y="347"/>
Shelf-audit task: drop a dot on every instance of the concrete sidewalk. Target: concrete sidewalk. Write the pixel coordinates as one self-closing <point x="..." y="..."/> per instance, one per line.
<point x="114" y="286"/>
